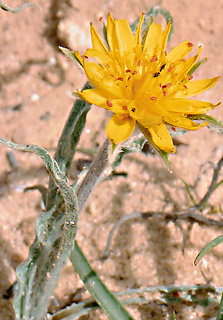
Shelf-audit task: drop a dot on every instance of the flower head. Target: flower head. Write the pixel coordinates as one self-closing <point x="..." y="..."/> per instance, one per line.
<point x="141" y="83"/>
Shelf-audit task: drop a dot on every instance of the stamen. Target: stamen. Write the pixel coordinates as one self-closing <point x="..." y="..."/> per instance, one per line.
<point x="109" y="104"/>
<point x="173" y="128"/>
<point x="120" y="79"/>
<point x="170" y="69"/>
<point x="183" y="60"/>
<point x="139" y="63"/>
<point x="133" y="109"/>
<point x="185" y="86"/>
<point x="86" y="57"/>
<point x="190" y="77"/>
<point x="134" y="72"/>
<point x="190" y="44"/>
<point x="164" y="93"/>
<point x="124" y="108"/>
<point x="128" y="70"/>
<point x="100" y="19"/>
<point x="153" y="98"/>
<point x="164" y="86"/>
<point x="154" y="58"/>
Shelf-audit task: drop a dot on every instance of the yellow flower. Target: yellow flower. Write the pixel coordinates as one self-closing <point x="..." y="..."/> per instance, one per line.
<point x="143" y="84"/>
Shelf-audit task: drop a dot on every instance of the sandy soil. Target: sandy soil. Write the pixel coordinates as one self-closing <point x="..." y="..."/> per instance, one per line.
<point x="35" y="85"/>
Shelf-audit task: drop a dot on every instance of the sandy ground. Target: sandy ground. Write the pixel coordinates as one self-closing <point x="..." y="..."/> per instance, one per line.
<point x="35" y="85"/>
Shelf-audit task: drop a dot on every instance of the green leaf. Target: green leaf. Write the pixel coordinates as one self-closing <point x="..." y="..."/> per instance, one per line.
<point x="108" y="302"/>
<point x="213" y="124"/>
<point x="131" y="147"/>
<point x="70" y="54"/>
<point x="207" y="248"/>
<point x="68" y="142"/>
<point x="153" y="12"/>
<point x="55" y="234"/>
<point x="194" y="68"/>
<point x="220" y="310"/>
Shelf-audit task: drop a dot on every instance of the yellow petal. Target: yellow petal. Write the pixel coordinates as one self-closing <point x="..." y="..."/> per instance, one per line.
<point x="165" y="37"/>
<point x="137" y="37"/>
<point x="124" y="36"/>
<point x="78" y="56"/>
<point x="196" y="87"/>
<point x="98" y="55"/>
<point x="162" y="138"/>
<point x="93" y="96"/>
<point x="111" y="34"/>
<point x="153" y="40"/>
<point x="187" y="106"/>
<point x="97" y="42"/>
<point x="180" y="51"/>
<point x="185" y="123"/>
<point x="119" y="130"/>
<point x="97" y="76"/>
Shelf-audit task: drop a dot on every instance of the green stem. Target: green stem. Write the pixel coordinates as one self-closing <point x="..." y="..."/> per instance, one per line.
<point x="107" y="301"/>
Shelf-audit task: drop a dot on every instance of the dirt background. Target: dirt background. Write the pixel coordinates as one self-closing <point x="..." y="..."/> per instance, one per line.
<point x="36" y="82"/>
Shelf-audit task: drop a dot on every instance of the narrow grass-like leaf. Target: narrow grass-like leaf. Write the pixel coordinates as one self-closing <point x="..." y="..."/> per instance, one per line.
<point x="207" y="248"/>
<point x="55" y="234"/>
<point x="108" y="302"/>
<point x="188" y="191"/>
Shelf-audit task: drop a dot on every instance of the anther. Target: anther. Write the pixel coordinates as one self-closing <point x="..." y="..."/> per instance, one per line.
<point x="109" y="104"/>
<point x="153" y="98"/>
<point x="120" y="79"/>
<point x="154" y="58"/>
<point x="190" y="77"/>
<point x="133" y="109"/>
<point x="190" y="44"/>
<point x="124" y="108"/>
<point x="128" y="70"/>
<point x="100" y="19"/>
<point x="134" y="72"/>
<point x="86" y="57"/>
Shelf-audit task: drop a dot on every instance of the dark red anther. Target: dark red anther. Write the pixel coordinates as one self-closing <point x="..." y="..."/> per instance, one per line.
<point x="173" y="128"/>
<point x="153" y="98"/>
<point x="129" y="78"/>
<point x="154" y="58"/>
<point x="170" y="69"/>
<point x="164" y="86"/>
<point x="133" y="109"/>
<point x="86" y="57"/>
<point x="124" y="108"/>
<point x="134" y="72"/>
<point x="190" y="44"/>
<point x="190" y="77"/>
<point x="120" y="79"/>
<point x="128" y="70"/>
<point x="109" y="104"/>
<point x="164" y="93"/>
<point x="183" y="60"/>
<point x="185" y="86"/>
<point x="139" y="63"/>
<point x="100" y="19"/>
